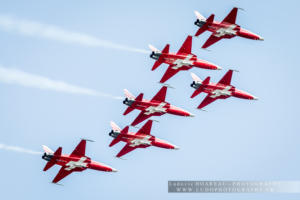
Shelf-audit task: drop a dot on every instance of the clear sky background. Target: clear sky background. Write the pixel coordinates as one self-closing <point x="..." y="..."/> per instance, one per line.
<point x="234" y="140"/>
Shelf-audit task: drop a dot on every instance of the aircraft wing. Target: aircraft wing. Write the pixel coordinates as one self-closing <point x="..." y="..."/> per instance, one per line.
<point x="186" y="46"/>
<point x="80" y="149"/>
<point x="146" y="129"/>
<point x="141" y="117"/>
<point x="161" y="95"/>
<point x="126" y="149"/>
<point x="226" y="80"/>
<point x="211" y="40"/>
<point x="206" y="101"/>
<point x="169" y="73"/>
<point x="61" y="174"/>
<point x="231" y="17"/>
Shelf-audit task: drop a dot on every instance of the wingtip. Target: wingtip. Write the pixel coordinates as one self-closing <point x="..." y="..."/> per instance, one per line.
<point x="88" y="140"/>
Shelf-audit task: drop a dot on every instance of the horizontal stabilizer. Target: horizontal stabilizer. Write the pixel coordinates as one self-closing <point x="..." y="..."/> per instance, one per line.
<point x="161" y="57"/>
<point x="50" y="163"/>
<point x="205" y="26"/>
<point x="117" y="139"/>
<point x="128" y="110"/>
<point x="196" y="92"/>
<point x="131" y="108"/>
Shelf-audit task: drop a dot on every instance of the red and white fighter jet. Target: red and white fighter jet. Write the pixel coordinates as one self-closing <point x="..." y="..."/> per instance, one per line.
<point x="157" y="106"/>
<point x="222" y="90"/>
<point x="140" y="139"/>
<point x="180" y="61"/>
<point x="75" y="162"/>
<point x="225" y="29"/>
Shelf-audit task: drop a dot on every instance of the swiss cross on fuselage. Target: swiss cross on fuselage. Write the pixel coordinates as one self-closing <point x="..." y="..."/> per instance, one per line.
<point x="180" y="62"/>
<point x="156" y="109"/>
<point x="222" y="29"/>
<point x="76" y="164"/>
<point x="221" y="92"/>
<point x="145" y="140"/>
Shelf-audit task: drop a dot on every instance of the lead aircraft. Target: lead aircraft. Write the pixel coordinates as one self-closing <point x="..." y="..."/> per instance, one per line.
<point x="221" y="90"/>
<point x="157" y="106"/>
<point x="225" y="29"/>
<point x="180" y="61"/>
<point x="77" y="161"/>
<point x="141" y="139"/>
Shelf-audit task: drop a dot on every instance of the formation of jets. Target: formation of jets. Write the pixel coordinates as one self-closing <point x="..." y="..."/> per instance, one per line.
<point x="183" y="60"/>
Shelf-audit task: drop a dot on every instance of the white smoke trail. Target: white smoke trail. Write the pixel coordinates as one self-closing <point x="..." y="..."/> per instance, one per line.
<point x="32" y="28"/>
<point x="15" y="76"/>
<point x="18" y="149"/>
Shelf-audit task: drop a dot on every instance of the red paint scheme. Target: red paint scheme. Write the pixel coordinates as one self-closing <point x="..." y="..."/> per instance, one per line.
<point x="221" y="90"/>
<point x="216" y="27"/>
<point x="132" y="139"/>
<point x="180" y="61"/>
<point x="77" y="156"/>
<point x="157" y="106"/>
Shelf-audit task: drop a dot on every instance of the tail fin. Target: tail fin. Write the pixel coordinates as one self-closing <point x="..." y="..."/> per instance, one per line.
<point x="47" y="150"/>
<point x="50" y="163"/>
<point x="196" y="78"/>
<point x="117" y="139"/>
<point x="200" y="89"/>
<point x="128" y="94"/>
<point x="161" y="57"/>
<point x="114" y="126"/>
<point x="131" y="108"/>
<point x="205" y="26"/>
<point x="153" y="49"/>
<point x="199" y="16"/>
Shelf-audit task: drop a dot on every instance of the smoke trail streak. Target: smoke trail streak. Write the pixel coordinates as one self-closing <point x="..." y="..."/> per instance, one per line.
<point x="19" y="149"/>
<point x="32" y="28"/>
<point x="18" y="77"/>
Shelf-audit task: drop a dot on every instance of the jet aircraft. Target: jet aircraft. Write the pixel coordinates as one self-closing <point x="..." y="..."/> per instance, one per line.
<point x="77" y="161"/>
<point x="222" y="90"/>
<point x="141" y="139"/>
<point x="225" y="29"/>
<point x="157" y="106"/>
<point x="180" y="61"/>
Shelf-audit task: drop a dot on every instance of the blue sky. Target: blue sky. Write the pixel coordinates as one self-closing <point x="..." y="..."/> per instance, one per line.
<point x="235" y="140"/>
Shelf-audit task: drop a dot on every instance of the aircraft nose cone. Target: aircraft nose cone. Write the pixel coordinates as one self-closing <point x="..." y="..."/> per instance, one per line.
<point x="261" y="39"/>
<point x="255" y="98"/>
<point x="191" y="115"/>
<point x="176" y="147"/>
<point x="219" y="68"/>
<point x="113" y="170"/>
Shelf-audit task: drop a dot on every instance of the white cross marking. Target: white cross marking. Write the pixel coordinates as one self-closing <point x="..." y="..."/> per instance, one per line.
<point x="183" y="62"/>
<point x="225" y="92"/>
<point x="74" y="164"/>
<point x="137" y="142"/>
<point x="226" y="31"/>
<point x="153" y="109"/>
